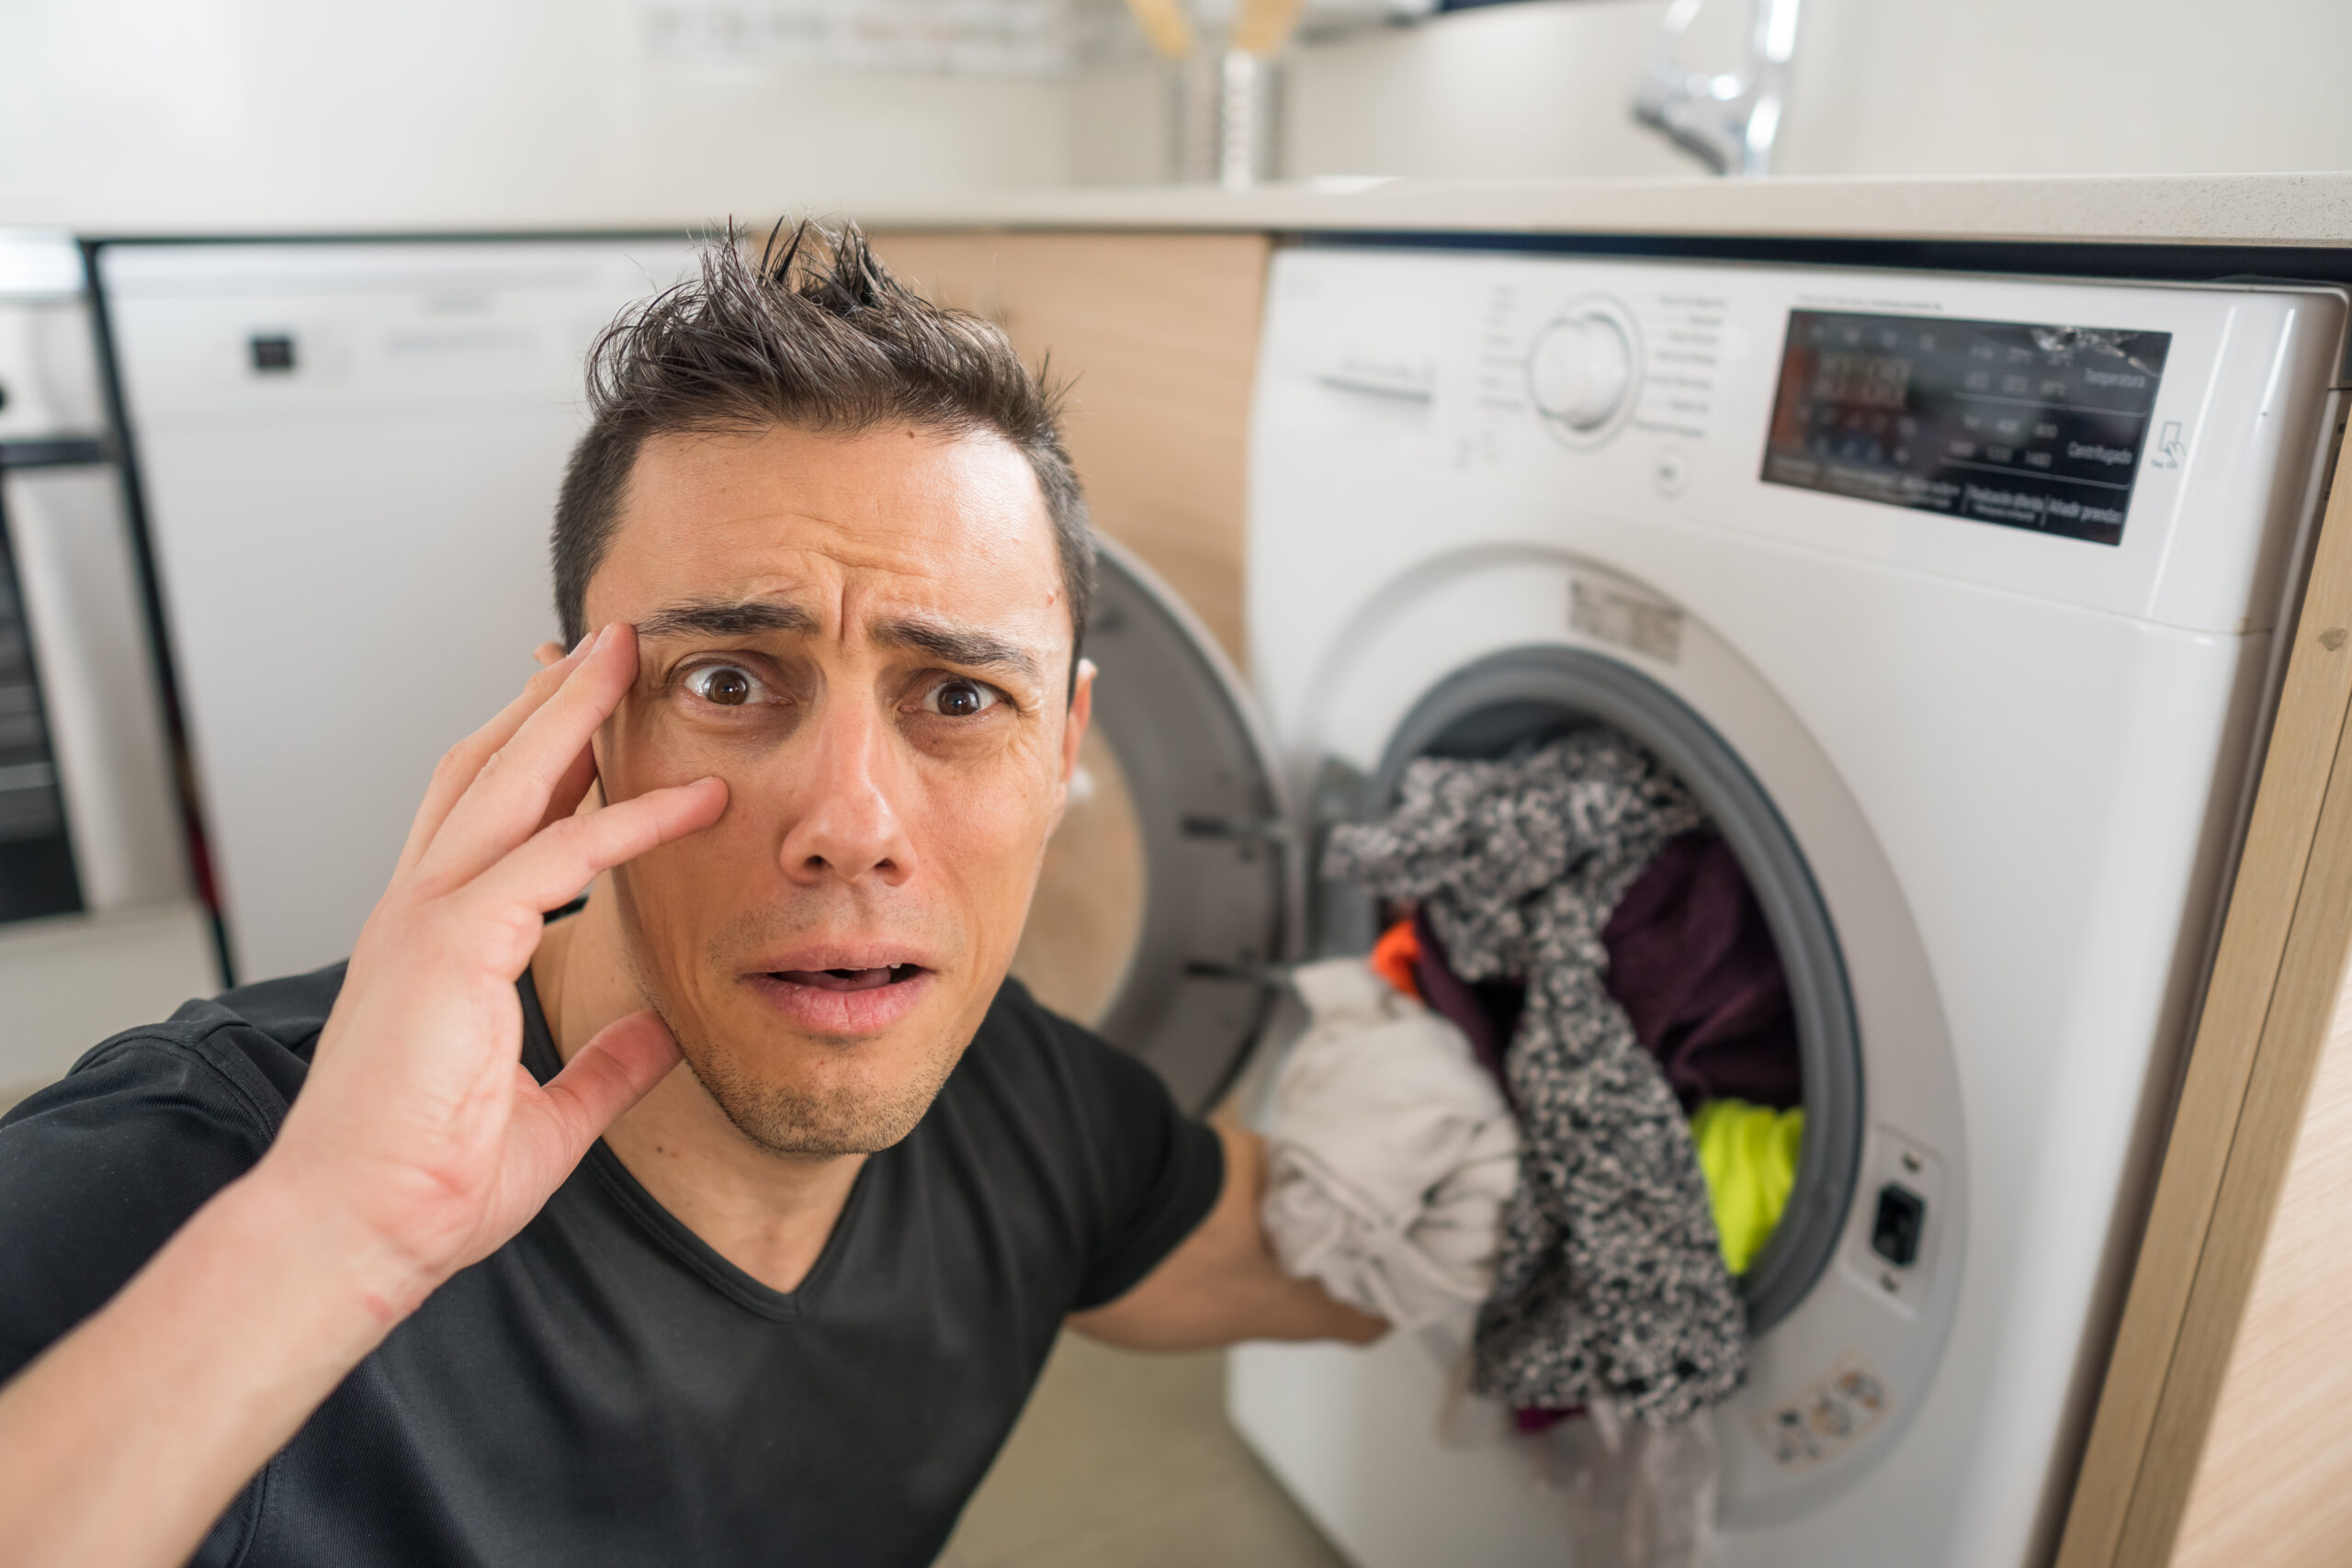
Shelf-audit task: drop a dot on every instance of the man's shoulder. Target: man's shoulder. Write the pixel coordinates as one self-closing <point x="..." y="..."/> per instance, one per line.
<point x="1054" y="1077"/>
<point x="242" y="1053"/>
<point x="99" y="1169"/>
<point x="1022" y="1037"/>
<point x="1017" y="1015"/>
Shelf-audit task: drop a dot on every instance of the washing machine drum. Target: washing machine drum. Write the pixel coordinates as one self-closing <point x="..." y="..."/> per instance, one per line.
<point x="1509" y="703"/>
<point x="1167" y="893"/>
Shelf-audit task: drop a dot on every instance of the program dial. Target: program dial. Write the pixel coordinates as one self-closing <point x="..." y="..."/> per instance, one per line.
<point x="1581" y="372"/>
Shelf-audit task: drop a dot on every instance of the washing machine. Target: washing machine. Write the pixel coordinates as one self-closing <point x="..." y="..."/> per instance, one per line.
<point x="1958" y="602"/>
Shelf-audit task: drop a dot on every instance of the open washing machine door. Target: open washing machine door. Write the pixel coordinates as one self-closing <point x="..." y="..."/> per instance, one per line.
<point x="1169" y="891"/>
<point x="1514" y="700"/>
<point x="1485" y="653"/>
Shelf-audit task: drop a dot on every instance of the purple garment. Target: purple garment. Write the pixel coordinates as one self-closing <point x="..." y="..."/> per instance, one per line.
<point x="1691" y="962"/>
<point x="1486" y="1012"/>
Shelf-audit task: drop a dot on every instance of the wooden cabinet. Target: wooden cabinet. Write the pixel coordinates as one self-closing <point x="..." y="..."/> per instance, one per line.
<point x="1156" y="337"/>
<point x="2223" y="1433"/>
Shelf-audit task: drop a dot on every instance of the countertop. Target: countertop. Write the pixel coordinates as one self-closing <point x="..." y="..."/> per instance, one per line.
<point x="2291" y="209"/>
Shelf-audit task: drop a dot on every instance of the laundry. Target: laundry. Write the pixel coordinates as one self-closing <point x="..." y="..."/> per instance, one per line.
<point x="1611" y="1285"/>
<point x="1749" y="1154"/>
<point x="1486" y="1012"/>
<point x="1635" y="1496"/>
<point x="1395" y="956"/>
<point x="1693" y="965"/>
<point x="1391" y="1153"/>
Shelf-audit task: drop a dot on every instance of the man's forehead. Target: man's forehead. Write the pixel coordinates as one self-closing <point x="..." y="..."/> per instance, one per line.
<point x="887" y="522"/>
<point x="884" y="493"/>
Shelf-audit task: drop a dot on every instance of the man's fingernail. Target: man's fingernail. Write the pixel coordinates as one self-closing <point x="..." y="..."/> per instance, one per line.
<point x="585" y="638"/>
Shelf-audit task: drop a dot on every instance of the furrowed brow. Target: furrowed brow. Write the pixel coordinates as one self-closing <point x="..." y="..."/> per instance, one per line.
<point x="726" y="618"/>
<point x="964" y="645"/>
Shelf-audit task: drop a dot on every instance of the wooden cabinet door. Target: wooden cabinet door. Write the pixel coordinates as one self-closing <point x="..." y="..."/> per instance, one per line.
<point x="1156" y="337"/>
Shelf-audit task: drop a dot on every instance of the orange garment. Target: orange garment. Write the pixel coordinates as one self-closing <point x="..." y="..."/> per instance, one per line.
<point x="1393" y="955"/>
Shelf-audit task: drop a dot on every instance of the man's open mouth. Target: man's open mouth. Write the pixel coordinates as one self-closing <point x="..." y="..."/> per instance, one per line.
<point x="849" y="979"/>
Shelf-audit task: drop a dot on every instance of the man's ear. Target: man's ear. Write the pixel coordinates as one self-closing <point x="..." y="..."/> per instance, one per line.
<point x="547" y="653"/>
<point x="1082" y="713"/>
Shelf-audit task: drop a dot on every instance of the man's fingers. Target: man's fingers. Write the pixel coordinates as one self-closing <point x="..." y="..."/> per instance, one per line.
<point x="565" y="856"/>
<point x="611" y="1073"/>
<point x="464" y="761"/>
<point x="508" y="799"/>
<point x="573" y="788"/>
<point x="551" y="1128"/>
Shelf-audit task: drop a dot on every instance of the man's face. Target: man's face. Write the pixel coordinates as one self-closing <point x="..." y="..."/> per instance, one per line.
<point x="867" y="638"/>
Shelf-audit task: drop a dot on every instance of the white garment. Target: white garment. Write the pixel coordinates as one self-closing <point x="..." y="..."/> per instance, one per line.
<point x="1392" y="1152"/>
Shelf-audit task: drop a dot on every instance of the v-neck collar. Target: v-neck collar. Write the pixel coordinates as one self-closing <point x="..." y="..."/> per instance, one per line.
<point x="542" y="1061"/>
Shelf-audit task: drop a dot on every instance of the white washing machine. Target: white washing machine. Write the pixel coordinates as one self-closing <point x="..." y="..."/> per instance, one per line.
<point x="1957" y="600"/>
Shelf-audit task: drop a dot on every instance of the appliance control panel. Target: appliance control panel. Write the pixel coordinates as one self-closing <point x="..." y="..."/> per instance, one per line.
<point x="2028" y="425"/>
<point x="2149" y="450"/>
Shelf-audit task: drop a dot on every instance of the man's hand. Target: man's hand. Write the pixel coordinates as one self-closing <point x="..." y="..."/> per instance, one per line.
<point x="418" y="1145"/>
<point x="417" y="1113"/>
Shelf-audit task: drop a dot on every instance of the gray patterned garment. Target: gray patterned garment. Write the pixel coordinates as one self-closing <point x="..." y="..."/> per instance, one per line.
<point x="1611" y="1285"/>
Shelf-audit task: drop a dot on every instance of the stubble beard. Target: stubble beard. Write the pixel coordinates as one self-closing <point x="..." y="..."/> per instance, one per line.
<point x="782" y="1118"/>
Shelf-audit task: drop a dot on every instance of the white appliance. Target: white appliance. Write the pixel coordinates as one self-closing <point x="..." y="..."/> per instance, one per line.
<point x="348" y="455"/>
<point x="1957" y="599"/>
<point x="100" y="927"/>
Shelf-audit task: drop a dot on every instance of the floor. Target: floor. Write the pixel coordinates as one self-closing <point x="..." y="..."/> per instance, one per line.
<point x="1126" y="1460"/>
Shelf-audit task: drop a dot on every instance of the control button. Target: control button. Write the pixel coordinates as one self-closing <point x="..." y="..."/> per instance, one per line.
<point x="1901" y="1220"/>
<point x="272" y="351"/>
<point x="1670" y="471"/>
<point x="1581" y="370"/>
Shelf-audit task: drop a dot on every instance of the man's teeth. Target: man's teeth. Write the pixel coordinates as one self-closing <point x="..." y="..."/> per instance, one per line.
<point x="847" y="979"/>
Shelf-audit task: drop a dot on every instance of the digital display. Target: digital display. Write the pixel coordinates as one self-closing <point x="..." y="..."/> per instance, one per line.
<point x="2038" y="427"/>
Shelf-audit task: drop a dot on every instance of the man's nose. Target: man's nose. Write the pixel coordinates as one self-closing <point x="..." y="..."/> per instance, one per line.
<point x="847" y="827"/>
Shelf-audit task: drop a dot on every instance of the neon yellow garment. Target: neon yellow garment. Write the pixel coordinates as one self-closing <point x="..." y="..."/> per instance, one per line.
<point x="1749" y="1156"/>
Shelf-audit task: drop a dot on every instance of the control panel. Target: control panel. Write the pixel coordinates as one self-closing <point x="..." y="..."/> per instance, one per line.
<point x="2134" y="449"/>
<point x="2029" y="426"/>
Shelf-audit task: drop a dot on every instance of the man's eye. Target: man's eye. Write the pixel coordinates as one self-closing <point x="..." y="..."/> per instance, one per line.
<point x="726" y="685"/>
<point x="960" y="699"/>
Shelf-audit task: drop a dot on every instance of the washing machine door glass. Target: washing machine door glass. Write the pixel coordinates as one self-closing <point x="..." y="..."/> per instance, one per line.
<point x="1167" y="891"/>
<point x="1508" y="703"/>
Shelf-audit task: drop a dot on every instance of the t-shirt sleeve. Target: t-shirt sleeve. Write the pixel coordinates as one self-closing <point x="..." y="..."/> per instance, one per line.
<point x="1156" y="1171"/>
<point x="97" y="1170"/>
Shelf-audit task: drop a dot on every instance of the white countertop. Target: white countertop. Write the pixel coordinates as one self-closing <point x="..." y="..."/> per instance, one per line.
<point x="2314" y="209"/>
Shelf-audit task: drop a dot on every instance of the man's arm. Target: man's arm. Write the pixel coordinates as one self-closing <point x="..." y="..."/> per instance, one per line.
<point x="1222" y="1284"/>
<point x="417" y="1146"/>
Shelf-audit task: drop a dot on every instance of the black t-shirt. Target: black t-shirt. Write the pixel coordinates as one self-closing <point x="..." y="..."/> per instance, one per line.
<point x="606" y="1388"/>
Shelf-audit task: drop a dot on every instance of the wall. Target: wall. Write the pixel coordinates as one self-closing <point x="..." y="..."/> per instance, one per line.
<point x="1880" y="88"/>
<point x="228" y="115"/>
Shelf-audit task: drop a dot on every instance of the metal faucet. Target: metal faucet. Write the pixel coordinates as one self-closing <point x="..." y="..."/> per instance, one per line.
<point x="1728" y="120"/>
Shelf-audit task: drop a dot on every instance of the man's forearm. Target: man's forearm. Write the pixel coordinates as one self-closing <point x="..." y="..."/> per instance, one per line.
<point x="124" y="1441"/>
<point x="1223" y="1284"/>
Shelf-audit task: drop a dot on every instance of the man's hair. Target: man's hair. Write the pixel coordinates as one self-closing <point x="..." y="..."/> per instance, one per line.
<point x="815" y="336"/>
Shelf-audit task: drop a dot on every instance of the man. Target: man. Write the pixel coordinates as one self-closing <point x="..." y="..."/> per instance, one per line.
<point x="316" y="1273"/>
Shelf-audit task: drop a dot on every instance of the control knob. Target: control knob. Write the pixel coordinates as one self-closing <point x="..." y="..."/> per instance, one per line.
<point x="1581" y="371"/>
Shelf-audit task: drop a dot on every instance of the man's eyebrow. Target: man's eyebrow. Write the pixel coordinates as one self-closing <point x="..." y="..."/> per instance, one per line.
<point x="965" y="645"/>
<point x="726" y="618"/>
